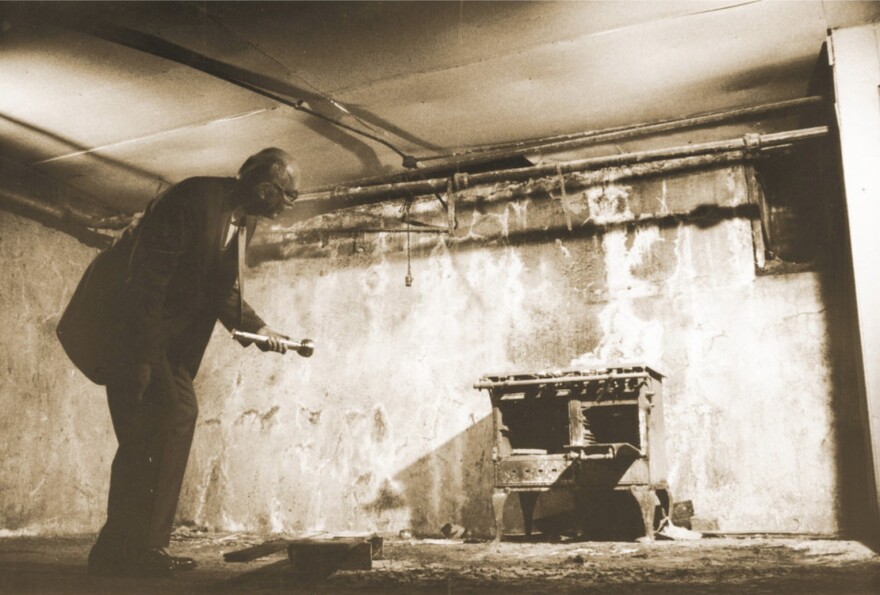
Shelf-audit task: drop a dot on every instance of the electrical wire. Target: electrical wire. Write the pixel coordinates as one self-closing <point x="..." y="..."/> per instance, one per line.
<point x="299" y="105"/>
<point x="408" y="160"/>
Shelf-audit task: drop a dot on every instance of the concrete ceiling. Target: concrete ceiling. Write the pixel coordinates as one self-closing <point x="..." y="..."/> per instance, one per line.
<point x="429" y="78"/>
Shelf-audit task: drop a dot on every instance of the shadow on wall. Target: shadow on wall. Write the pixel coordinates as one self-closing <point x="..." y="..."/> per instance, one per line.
<point x="854" y="509"/>
<point x="856" y="515"/>
<point x="451" y="484"/>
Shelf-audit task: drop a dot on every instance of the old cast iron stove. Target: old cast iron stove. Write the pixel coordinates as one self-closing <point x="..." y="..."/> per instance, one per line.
<point x="591" y="431"/>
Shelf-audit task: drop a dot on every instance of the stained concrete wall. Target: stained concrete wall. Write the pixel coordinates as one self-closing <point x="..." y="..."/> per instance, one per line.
<point x="55" y="434"/>
<point x="382" y="430"/>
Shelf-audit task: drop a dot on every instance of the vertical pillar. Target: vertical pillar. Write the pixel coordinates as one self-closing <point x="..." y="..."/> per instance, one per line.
<point x="855" y="56"/>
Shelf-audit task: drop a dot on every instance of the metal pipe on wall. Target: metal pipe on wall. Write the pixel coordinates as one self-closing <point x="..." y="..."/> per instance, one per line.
<point x="381" y="192"/>
<point x="755" y="142"/>
<point x="572" y="141"/>
<point x="64" y="214"/>
<point x="353" y="224"/>
<point x="346" y="197"/>
<point x="583" y="139"/>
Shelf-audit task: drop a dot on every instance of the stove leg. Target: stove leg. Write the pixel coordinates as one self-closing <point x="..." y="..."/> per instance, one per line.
<point x="647" y="500"/>
<point x="665" y="499"/>
<point x="499" y="499"/>
<point x="527" y="503"/>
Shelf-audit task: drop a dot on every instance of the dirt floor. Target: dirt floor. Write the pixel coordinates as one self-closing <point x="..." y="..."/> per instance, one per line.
<point x="709" y="565"/>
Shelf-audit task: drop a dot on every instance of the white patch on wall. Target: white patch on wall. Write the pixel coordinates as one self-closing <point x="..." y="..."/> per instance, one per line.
<point x="735" y="183"/>
<point x="26" y="532"/>
<point x="620" y="261"/>
<point x="729" y="263"/>
<point x="606" y="204"/>
<point x="501" y="219"/>
<point x="566" y="253"/>
<point x="663" y="200"/>
<point x="741" y="251"/>
<point x="276" y="517"/>
<point x="520" y="213"/>
<point x="625" y="335"/>
<point x="232" y="525"/>
<point x="684" y="261"/>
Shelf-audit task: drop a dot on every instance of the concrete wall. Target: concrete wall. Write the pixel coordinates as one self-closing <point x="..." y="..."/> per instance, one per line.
<point x="382" y="430"/>
<point x="56" y="441"/>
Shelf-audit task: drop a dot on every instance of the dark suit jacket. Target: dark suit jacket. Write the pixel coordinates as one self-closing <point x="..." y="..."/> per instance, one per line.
<point x="161" y="287"/>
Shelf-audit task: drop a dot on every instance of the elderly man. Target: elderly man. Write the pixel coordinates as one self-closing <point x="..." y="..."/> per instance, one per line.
<point x="139" y="322"/>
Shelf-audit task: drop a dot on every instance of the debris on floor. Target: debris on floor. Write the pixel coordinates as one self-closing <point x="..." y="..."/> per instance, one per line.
<point x="668" y="530"/>
<point x="453" y="531"/>
<point x="721" y="565"/>
<point x="318" y="556"/>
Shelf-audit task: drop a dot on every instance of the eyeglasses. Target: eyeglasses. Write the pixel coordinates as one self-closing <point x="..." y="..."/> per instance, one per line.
<point x="288" y="195"/>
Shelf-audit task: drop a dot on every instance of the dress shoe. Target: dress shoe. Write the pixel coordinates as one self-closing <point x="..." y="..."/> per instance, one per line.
<point x="175" y="563"/>
<point x="148" y="563"/>
<point x="144" y="564"/>
<point x="156" y="562"/>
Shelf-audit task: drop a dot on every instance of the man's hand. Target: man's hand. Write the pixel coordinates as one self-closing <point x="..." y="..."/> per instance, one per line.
<point x="274" y="343"/>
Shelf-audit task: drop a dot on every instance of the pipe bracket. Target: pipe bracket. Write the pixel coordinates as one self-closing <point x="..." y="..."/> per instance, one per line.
<point x="753" y="146"/>
<point x="451" y="218"/>
<point x="460" y="181"/>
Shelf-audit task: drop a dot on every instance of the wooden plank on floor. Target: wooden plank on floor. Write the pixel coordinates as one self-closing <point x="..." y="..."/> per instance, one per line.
<point x="323" y="558"/>
<point x="256" y="551"/>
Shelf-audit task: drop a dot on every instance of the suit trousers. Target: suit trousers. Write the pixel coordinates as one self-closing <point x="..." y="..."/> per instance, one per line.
<point x="155" y="435"/>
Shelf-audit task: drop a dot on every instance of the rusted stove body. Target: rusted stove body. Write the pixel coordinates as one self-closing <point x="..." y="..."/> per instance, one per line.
<point x="591" y="431"/>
